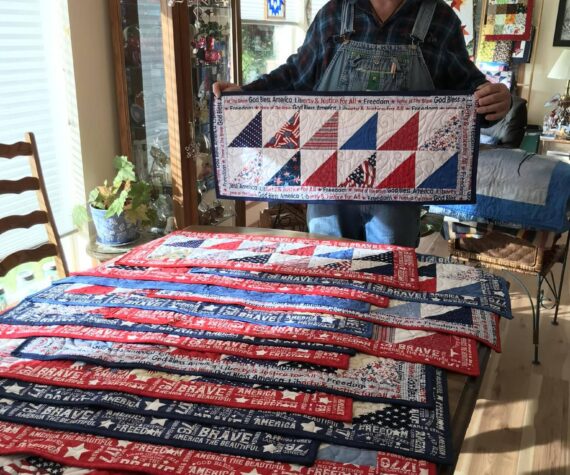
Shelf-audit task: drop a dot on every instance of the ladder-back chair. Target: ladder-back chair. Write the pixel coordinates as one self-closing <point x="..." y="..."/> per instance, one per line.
<point x="43" y="215"/>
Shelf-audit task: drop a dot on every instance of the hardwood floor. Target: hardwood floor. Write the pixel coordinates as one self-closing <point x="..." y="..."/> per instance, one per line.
<point x="522" y="419"/>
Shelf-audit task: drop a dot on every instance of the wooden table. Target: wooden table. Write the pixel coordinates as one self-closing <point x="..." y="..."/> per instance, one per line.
<point x="463" y="390"/>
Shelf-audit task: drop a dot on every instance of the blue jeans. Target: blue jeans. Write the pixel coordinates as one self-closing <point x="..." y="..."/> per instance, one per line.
<point x="385" y="224"/>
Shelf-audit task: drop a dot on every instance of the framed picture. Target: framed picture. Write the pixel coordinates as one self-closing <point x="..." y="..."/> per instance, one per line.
<point x="522" y="50"/>
<point x="562" y="31"/>
<point x="274" y="9"/>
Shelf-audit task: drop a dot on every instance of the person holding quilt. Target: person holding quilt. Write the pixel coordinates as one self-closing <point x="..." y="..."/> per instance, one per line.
<point x="380" y="45"/>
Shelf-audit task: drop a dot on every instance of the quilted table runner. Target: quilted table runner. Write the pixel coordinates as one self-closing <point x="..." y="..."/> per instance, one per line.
<point x="40" y="314"/>
<point x="382" y="264"/>
<point x="440" y="282"/>
<point x="419" y="432"/>
<point x="319" y="147"/>
<point x="272" y="301"/>
<point x="393" y="381"/>
<point x="83" y="450"/>
<point x="109" y="297"/>
<point x="175" y="433"/>
<point x="446" y="351"/>
<point x="178" y="278"/>
<point x="170" y="386"/>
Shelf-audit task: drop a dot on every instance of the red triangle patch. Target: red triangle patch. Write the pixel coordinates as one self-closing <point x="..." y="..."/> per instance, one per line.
<point x="429" y="285"/>
<point x="325" y="175"/>
<point x="326" y="137"/>
<point x="406" y="138"/>
<point x="403" y="176"/>
<point x="227" y="246"/>
<point x="302" y="251"/>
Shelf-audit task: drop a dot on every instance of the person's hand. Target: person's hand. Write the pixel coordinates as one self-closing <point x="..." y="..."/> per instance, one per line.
<point x="221" y="86"/>
<point x="494" y="100"/>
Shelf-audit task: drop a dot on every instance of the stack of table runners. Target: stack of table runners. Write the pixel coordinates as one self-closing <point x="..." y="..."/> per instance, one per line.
<point x="204" y="353"/>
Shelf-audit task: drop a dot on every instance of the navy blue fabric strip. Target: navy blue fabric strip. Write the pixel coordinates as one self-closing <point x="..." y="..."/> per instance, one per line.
<point x="421" y="433"/>
<point x="40" y="314"/>
<point x="395" y="382"/>
<point x="58" y="294"/>
<point x="149" y="429"/>
<point x="310" y="303"/>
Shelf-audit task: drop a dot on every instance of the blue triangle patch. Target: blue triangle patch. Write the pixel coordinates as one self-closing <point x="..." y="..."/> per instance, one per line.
<point x="387" y="269"/>
<point x="342" y="254"/>
<point x="461" y="315"/>
<point x="289" y="174"/>
<point x="192" y="243"/>
<point x="445" y="176"/>
<point x="410" y="309"/>
<point x="471" y="289"/>
<point x="365" y="137"/>
<point x="427" y="271"/>
<point x="250" y="137"/>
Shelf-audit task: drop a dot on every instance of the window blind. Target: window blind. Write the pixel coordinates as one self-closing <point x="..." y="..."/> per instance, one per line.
<point x="37" y="94"/>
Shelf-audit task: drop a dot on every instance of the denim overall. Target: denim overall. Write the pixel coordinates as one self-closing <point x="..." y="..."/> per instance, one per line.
<point x="359" y="66"/>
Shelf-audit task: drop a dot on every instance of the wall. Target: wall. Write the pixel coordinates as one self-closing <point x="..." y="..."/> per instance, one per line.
<point x="545" y="55"/>
<point x="96" y="107"/>
<point x="94" y="81"/>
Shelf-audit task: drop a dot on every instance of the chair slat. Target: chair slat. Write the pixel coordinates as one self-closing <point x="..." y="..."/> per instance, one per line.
<point x="17" y="149"/>
<point x="23" y="221"/>
<point x="19" y="186"/>
<point x="27" y="255"/>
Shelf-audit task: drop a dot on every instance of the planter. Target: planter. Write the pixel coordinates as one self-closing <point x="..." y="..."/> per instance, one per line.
<point x="113" y="231"/>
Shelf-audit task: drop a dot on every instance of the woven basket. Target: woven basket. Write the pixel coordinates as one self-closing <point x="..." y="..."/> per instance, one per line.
<point x="500" y="251"/>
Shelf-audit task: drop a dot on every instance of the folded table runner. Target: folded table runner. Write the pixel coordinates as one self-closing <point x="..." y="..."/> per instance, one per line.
<point x="440" y="282"/>
<point x="418" y="432"/>
<point x="369" y="147"/>
<point x="36" y="313"/>
<point x="105" y="453"/>
<point x="368" y="378"/>
<point x="155" y="430"/>
<point x="445" y="351"/>
<point x="77" y="294"/>
<point x="171" y="386"/>
<point x="379" y="263"/>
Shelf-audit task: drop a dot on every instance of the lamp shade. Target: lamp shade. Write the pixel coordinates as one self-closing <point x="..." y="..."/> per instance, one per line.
<point x="561" y="69"/>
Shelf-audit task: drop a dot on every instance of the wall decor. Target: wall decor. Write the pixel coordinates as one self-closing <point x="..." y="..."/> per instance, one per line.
<point x="274" y="9"/>
<point x="511" y="19"/>
<point x="522" y="50"/>
<point x="562" y="30"/>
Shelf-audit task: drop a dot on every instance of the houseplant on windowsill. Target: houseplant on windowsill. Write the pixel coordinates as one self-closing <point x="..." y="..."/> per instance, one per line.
<point x="119" y="209"/>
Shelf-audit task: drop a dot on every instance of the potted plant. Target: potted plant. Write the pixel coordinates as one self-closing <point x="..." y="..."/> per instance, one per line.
<point x="119" y="209"/>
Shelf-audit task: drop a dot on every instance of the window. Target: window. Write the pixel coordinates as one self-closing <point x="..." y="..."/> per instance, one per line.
<point x="37" y="94"/>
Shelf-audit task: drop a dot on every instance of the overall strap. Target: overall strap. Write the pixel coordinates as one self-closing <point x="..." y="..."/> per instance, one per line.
<point x="347" y="19"/>
<point x="423" y="21"/>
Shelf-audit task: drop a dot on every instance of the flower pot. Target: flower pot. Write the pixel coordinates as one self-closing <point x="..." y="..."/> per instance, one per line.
<point x="113" y="231"/>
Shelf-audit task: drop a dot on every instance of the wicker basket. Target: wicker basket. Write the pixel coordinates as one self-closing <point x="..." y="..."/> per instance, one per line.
<point x="500" y="251"/>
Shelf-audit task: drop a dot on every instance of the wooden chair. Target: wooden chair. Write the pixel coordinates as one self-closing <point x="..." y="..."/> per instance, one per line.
<point x="43" y="215"/>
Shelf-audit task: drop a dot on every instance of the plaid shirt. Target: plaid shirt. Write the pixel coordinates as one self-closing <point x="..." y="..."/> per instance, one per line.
<point x="443" y="49"/>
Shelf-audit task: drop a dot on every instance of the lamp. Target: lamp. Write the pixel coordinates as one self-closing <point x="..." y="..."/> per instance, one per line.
<point x="561" y="70"/>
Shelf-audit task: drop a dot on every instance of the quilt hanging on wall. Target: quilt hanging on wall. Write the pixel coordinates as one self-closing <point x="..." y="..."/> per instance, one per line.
<point x="509" y="20"/>
<point x="368" y="148"/>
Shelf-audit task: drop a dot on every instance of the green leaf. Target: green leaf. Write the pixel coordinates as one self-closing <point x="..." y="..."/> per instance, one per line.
<point x="117" y="206"/>
<point x="80" y="216"/>
<point x="125" y="171"/>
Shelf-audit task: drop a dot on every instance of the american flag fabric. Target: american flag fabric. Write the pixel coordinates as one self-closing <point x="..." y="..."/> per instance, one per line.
<point x="371" y="147"/>
<point x="378" y="263"/>
<point x="159" y="366"/>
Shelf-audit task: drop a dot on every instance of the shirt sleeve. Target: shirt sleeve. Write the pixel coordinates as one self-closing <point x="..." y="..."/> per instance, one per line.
<point x="457" y="71"/>
<point x="301" y="70"/>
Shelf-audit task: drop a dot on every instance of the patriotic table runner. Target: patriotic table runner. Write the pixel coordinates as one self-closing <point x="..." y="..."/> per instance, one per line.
<point x="320" y="147"/>
<point x="445" y="351"/>
<point x="378" y="263"/>
<point x="155" y="430"/>
<point x="78" y="294"/>
<point x="271" y="353"/>
<point x="419" y="432"/>
<point x="83" y="450"/>
<point x="36" y="313"/>
<point x="368" y="378"/>
<point x="281" y="302"/>
<point x="171" y="386"/>
<point x="441" y="282"/>
<point x="177" y="278"/>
